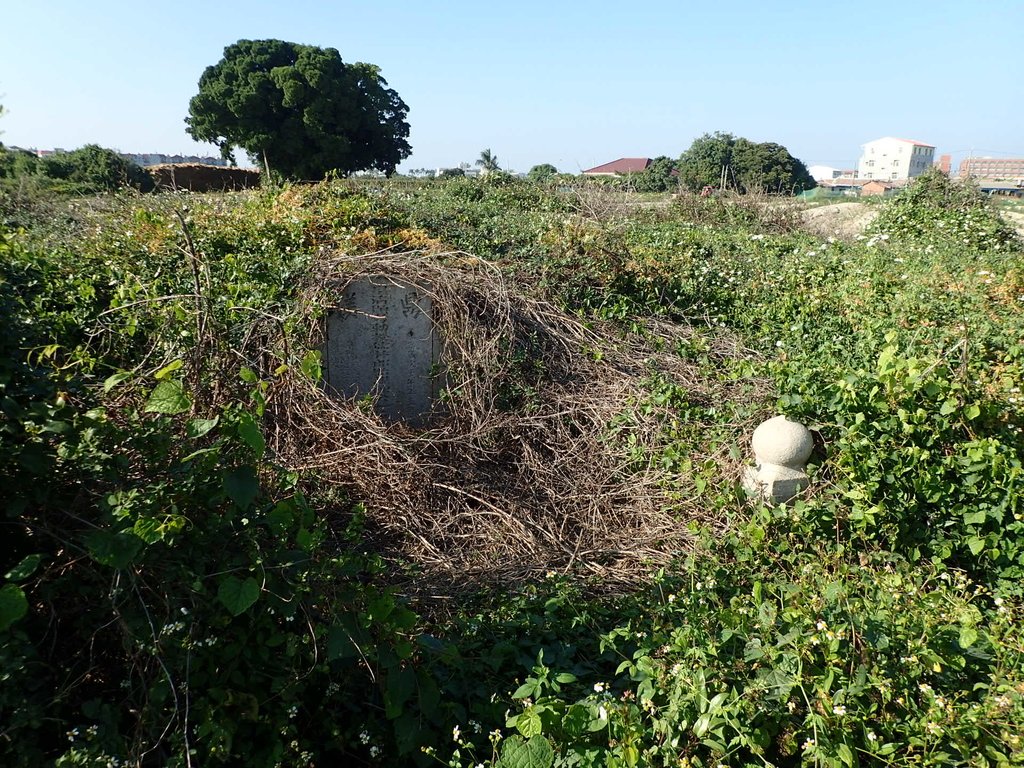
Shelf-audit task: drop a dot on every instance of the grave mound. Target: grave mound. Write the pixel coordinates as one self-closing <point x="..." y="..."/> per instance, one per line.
<point x="196" y="177"/>
<point x="540" y="444"/>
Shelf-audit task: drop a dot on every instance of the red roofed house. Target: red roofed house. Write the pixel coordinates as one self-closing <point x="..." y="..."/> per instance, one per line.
<point x="620" y="167"/>
<point x="889" y="159"/>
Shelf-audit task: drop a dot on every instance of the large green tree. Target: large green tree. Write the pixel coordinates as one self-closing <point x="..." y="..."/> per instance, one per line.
<point x="743" y="165"/>
<point x="301" y="108"/>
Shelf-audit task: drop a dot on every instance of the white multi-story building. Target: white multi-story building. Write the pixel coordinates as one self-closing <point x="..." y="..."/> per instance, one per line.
<point x="889" y="159"/>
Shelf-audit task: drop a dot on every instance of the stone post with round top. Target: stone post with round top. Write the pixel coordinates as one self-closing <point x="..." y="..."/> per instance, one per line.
<point x="781" y="448"/>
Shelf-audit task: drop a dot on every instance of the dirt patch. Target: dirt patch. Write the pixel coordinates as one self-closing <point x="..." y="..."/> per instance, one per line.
<point x="1015" y="220"/>
<point x="202" y="178"/>
<point x="843" y="220"/>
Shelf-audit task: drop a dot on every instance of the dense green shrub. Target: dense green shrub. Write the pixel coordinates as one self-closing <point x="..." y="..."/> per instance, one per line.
<point x="96" y="169"/>
<point x="936" y="210"/>
<point x="88" y="170"/>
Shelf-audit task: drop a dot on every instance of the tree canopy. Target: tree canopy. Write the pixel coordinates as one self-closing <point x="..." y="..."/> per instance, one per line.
<point x="745" y="165"/>
<point x="302" y="108"/>
<point x="659" y="176"/>
<point x="542" y="172"/>
<point x="488" y="161"/>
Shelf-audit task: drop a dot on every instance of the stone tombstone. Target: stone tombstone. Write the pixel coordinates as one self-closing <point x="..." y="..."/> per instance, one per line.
<point x="382" y="342"/>
<point x="781" y="448"/>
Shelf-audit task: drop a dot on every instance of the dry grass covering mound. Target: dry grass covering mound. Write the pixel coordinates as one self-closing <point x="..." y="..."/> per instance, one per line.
<point x="196" y="177"/>
<point x="548" y="453"/>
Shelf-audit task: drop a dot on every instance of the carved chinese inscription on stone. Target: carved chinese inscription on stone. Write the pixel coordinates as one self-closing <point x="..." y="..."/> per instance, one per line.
<point x="381" y="341"/>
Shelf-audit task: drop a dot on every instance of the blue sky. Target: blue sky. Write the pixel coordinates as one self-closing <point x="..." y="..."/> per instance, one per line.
<point x="571" y="83"/>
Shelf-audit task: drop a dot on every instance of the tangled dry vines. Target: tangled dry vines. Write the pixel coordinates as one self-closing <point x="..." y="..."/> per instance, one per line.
<point x="542" y="458"/>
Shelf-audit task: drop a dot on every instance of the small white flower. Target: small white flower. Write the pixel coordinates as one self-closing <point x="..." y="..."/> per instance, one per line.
<point x="598" y="687"/>
<point x="871" y="736"/>
<point x="455" y="733"/>
<point x="839" y="709"/>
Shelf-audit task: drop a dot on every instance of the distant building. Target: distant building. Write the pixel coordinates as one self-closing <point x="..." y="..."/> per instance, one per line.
<point x="153" y="158"/>
<point x="890" y="159"/>
<point x="620" y="167"/>
<point x="945" y="162"/>
<point x="877" y="188"/>
<point x="824" y="172"/>
<point x="993" y="168"/>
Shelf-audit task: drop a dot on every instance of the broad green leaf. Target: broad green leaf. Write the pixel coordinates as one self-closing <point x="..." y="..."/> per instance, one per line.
<point x="400" y="687"/>
<point x="523" y="691"/>
<point x="237" y="595"/>
<point x="242" y="486"/>
<point x="529" y="723"/>
<point x="196" y="428"/>
<point x="168" y="397"/>
<point x="116" y="550"/>
<point x="112" y="381"/>
<point x="517" y="753"/>
<point x="281" y="517"/>
<point x="575" y="721"/>
<point x="310" y="365"/>
<point x="968" y="637"/>
<point x="948" y="407"/>
<point x="975" y="544"/>
<point x="250" y="434"/>
<point x="972" y="411"/>
<point x="340" y="644"/>
<point x="167" y="370"/>
<point x="13" y="605"/>
<point x="845" y="755"/>
<point x="24" y="569"/>
<point x="974" y="518"/>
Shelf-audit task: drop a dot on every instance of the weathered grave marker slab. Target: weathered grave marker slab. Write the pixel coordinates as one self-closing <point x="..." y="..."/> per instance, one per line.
<point x="382" y="341"/>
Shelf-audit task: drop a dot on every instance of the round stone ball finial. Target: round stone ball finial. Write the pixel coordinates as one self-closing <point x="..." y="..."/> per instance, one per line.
<point x="782" y="448"/>
<point x="782" y="442"/>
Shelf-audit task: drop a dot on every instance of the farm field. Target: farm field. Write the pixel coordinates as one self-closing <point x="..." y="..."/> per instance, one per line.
<point x="209" y="561"/>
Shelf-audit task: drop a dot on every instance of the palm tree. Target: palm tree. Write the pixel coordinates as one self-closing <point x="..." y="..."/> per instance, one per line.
<point x="488" y="161"/>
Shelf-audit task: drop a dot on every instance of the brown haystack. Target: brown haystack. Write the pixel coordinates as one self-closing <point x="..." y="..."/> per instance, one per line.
<point x="548" y="454"/>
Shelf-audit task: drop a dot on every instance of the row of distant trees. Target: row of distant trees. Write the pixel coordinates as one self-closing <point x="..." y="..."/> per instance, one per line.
<point x="723" y="161"/>
<point x="302" y="112"/>
<point x="718" y="161"/>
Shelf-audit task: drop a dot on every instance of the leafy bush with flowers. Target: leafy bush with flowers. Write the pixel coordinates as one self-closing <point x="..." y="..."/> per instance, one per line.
<point x="935" y="211"/>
